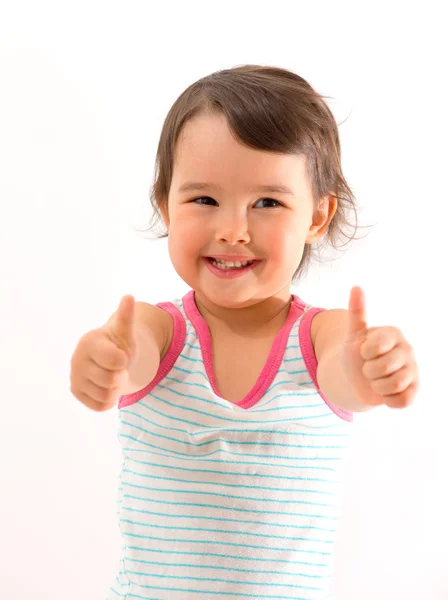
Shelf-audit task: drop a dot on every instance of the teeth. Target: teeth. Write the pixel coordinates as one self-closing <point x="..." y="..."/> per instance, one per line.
<point x="228" y="264"/>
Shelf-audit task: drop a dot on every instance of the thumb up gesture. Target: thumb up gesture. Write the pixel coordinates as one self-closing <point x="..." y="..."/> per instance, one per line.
<point x="101" y="361"/>
<point x="378" y="361"/>
<point x="121" y="327"/>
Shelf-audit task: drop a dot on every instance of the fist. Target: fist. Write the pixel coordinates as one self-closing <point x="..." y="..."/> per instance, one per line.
<point x="101" y="361"/>
<point x="378" y="361"/>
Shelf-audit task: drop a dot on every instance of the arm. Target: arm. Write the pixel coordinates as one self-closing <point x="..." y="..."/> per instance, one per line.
<point x="328" y="330"/>
<point x="153" y="331"/>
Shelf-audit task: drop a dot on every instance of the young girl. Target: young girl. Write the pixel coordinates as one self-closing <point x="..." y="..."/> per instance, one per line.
<point x="236" y="401"/>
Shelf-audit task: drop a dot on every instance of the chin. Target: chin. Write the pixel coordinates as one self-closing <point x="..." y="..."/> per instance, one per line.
<point x="230" y="298"/>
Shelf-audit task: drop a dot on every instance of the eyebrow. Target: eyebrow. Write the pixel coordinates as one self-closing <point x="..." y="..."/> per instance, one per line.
<point x="193" y="185"/>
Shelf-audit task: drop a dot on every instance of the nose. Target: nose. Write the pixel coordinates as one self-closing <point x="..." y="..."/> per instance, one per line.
<point x="232" y="227"/>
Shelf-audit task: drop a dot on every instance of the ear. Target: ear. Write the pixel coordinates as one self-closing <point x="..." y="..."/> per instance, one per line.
<point x="322" y="218"/>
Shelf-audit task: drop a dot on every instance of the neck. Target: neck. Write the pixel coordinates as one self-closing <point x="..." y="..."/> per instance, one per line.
<point x="256" y="318"/>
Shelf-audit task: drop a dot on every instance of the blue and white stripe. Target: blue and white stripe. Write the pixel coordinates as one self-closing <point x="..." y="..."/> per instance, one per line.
<point x="217" y="501"/>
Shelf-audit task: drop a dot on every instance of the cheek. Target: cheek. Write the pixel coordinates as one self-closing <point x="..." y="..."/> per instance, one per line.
<point x="184" y="239"/>
<point x="282" y="238"/>
<point x="186" y="224"/>
<point x="285" y="244"/>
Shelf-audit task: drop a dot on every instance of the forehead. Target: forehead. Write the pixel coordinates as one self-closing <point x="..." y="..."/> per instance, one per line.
<point x="207" y="151"/>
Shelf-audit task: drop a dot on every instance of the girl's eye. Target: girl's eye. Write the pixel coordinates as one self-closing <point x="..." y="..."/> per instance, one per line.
<point x="207" y="198"/>
<point x="203" y="198"/>
<point x="277" y="203"/>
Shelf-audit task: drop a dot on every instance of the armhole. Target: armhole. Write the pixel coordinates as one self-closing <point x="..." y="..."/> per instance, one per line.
<point x="306" y="346"/>
<point x="167" y="362"/>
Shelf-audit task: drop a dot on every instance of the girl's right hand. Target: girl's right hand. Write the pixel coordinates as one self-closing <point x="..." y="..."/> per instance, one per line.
<point x="101" y="361"/>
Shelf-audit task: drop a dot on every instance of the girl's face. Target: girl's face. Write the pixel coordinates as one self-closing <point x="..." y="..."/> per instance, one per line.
<point x="231" y="214"/>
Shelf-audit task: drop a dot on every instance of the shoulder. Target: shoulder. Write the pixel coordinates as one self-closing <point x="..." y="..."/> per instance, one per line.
<point x="159" y="321"/>
<point x="324" y="327"/>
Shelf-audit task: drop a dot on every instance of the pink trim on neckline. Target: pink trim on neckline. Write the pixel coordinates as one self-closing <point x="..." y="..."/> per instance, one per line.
<point x="273" y="361"/>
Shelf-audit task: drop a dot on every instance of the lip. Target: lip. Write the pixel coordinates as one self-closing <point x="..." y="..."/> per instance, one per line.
<point x="231" y="274"/>
<point x="233" y="257"/>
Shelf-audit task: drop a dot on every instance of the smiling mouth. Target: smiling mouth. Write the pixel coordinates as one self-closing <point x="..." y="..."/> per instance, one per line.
<point x="229" y="272"/>
<point x="233" y="265"/>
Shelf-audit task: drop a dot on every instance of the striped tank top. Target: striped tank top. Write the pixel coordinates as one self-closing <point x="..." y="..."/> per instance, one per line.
<point x="230" y="500"/>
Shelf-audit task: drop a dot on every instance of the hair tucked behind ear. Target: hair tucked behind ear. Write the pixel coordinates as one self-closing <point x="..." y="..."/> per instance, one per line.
<point x="272" y="109"/>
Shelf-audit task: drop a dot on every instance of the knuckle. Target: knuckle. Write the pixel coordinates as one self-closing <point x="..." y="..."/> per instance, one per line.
<point x="106" y="396"/>
<point x="401" y="381"/>
<point x="366" y="369"/>
<point x="379" y="346"/>
<point x="89" y="338"/>
<point x="91" y="390"/>
<point x="113" y="379"/>
<point x="394" y="386"/>
<point x="115" y="357"/>
<point x="374" y="347"/>
<point x="92" y="403"/>
<point x="384" y="368"/>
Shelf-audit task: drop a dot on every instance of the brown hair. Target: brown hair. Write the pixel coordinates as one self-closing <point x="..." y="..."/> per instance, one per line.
<point x="271" y="109"/>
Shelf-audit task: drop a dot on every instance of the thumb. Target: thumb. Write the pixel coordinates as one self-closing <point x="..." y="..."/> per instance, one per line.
<point x="123" y="325"/>
<point x="357" y="320"/>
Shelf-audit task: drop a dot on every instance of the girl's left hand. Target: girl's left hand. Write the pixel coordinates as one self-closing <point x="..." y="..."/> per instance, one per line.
<point x="378" y="361"/>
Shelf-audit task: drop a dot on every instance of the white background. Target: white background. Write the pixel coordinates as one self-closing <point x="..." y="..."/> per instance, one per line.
<point x="84" y="90"/>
